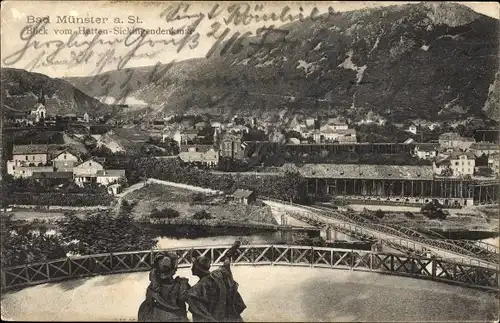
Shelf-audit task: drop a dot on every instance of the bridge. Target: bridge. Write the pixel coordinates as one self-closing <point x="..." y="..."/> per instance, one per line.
<point x="80" y="287"/>
<point x="399" y="238"/>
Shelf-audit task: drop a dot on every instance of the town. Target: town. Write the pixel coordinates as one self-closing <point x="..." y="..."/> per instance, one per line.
<point x="327" y="151"/>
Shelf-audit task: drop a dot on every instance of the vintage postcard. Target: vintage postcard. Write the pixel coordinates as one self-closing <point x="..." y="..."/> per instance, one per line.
<point x="250" y="161"/>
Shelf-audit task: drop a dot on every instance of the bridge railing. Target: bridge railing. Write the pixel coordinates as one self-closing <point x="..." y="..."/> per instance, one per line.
<point x="283" y="255"/>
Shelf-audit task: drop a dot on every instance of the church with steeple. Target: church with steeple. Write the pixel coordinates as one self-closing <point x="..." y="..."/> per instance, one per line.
<point x="39" y="110"/>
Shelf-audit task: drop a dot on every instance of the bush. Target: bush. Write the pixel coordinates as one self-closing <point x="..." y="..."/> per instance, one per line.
<point x="60" y="199"/>
<point x="202" y="215"/>
<point x="197" y="197"/>
<point x="166" y="213"/>
<point x="409" y="215"/>
<point x="379" y="214"/>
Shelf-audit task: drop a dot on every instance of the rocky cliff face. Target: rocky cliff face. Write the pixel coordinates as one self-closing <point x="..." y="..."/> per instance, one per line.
<point x="425" y="61"/>
<point x="20" y="91"/>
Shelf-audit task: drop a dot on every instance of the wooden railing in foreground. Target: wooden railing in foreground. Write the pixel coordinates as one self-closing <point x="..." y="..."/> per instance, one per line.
<point x="282" y="255"/>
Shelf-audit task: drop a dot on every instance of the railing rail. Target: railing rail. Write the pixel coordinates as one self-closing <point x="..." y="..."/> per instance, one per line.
<point x="441" y="270"/>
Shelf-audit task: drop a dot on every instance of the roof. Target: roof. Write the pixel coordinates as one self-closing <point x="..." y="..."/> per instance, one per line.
<point x="190" y="132"/>
<point x="94" y="159"/>
<point x="457" y="154"/>
<point x="52" y="175"/>
<point x="339" y="131"/>
<point x="445" y="161"/>
<point x="111" y="173"/>
<point x="455" y="136"/>
<point x="336" y="121"/>
<point x="66" y="150"/>
<point x="355" y="171"/>
<point x="30" y="149"/>
<point x="199" y="148"/>
<point x="427" y="146"/>
<point x="239" y="193"/>
<point x="484" y="146"/>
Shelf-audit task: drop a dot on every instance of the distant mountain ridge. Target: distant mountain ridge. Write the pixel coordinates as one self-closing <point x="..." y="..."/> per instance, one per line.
<point x="419" y="61"/>
<point x="20" y="90"/>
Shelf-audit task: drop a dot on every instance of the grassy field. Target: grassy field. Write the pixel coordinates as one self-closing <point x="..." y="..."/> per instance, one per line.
<point x="160" y="196"/>
<point x="458" y="219"/>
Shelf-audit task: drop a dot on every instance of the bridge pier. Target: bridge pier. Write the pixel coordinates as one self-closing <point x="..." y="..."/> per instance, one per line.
<point x="331" y="234"/>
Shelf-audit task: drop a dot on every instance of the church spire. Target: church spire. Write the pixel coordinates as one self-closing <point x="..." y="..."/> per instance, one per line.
<point x="41" y="97"/>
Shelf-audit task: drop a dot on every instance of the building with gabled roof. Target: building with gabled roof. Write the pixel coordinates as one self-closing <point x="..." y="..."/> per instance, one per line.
<point x="244" y="196"/>
<point x="484" y="148"/>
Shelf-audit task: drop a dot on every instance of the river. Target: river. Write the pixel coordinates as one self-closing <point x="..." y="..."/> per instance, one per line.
<point x="169" y="242"/>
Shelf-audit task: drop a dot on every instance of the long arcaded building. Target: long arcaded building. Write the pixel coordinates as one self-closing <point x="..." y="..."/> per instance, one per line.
<point x="416" y="184"/>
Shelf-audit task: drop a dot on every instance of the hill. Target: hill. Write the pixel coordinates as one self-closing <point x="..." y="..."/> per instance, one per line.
<point x="20" y="90"/>
<point x="420" y="61"/>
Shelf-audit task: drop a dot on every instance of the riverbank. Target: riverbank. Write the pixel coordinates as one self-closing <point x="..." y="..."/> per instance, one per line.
<point x="155" y="196"/>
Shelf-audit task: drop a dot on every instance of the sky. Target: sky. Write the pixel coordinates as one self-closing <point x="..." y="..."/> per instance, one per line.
<point x="63" y="48"/>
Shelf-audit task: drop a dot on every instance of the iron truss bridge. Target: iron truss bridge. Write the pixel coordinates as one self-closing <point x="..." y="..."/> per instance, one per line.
<point x="401" y="238"/>
<point x="432" y="268"/>
<point x="471" y="248"/>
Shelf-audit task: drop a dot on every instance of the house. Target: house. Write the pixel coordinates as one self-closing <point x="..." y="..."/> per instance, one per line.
<point x="24" y="170"/>
<point x="433" y="126"/>
<point x="329" y="135"/>
<point x="310" y="122"/>
<point x="441" y="167"/>
<point x="87" y="171"/>
<point x="205" y="155"/>
<point x="231" y="146"/>
<point x="486" y="148"/>
<point x="216" y="124"/>
<point x="114" y="189"/>
<point x="237" y="129"/>
<point x="412" y="129"/>
<point x="462" y="163"/>
<point x="426" y="151"/>
<point x="65" y="161"/>
<point x="188" y="135"/>
<point x="334" y="124"/>
<point x="244" y="196"/>
<point x="86" y="117"/>
<point x="30" y="153"/>
<point x="454" y="140"/>
<point x="27" y="159"/>
<point x="201" y="125"/>
<point x="494" y="163"/>
<point x="109" y="176"/>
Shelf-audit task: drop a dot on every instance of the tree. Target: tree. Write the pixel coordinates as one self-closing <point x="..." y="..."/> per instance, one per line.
<point x="202" y="215"/>
<point x="20" y="245"/>
<point x="447" y="172"/>
<point x="380" y="214"/>
<point x="433" y="210"/>
<point x="105" y="232"/>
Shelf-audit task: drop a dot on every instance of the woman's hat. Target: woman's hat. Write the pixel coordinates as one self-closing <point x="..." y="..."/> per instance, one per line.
<point x="202" y="264"/>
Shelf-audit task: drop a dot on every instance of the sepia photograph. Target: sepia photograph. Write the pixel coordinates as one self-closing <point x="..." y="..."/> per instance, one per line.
<point x="231" y="161"/>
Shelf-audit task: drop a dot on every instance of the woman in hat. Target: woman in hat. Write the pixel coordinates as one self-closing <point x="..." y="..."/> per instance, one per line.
<point x="215" y="297"/>
<point x="165" y="295"/>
